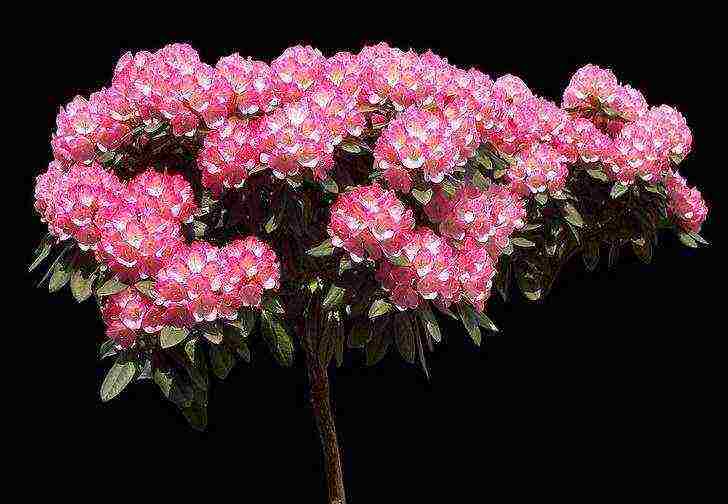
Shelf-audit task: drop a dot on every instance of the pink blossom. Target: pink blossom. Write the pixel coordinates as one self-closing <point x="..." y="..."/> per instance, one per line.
<point x="538" y="169"/>
<point x="252" y="83"/>
<point x="170" y="195"/>
<point x="295" y="71"/>
<point x="204" y="282"/>
<point x="685" y="204"/>
<point x="128" y="314"/>
<point x="369" y="221"/>
<point x="229" y="154"/>
<point x="488" y="217"/>
<point x="71" y="201"/>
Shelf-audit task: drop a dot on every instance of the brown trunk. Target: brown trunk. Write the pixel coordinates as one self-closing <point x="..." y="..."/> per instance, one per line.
<point x="321" y="405"/>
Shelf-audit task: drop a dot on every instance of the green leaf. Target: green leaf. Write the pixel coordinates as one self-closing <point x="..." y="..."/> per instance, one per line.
<point x="642" y="249"/>
<point x="244" y="324"/>
<point x="470" y="321"/>
<point x="696" y="236"/>
<point x="479" y="180"/>
<point x="377" y="347"/>
<point x="41" y="251"/>
<point x="60" y="276"/>
<point x="423" y="197"/>
<point x="323" y="249"/>
<point x="542" y="198"/>
<point x="485" y="322"/>
<point x="222" y="361"/>
<point x="330" y="185"/>
<point x="572" y="215"/>
<point x="598" y="175"/>
<point x="685" y="238"/>
<point x="519" y="241"/>
<point x="107" y="349"/>
<point x="430" y="322"/>
<point x="278" y="339"/>
<point x="350" y="147"/>
<point x="379" y="307"/>
<point x="111" y="287"/>
<point x="333" y="297"/>
<point x="146" y="287"/>
<point x="618" y="190"/>
<point x="118" y="377"/>
<point x="171" y="336"/>
<point x="360" y="335"/>
<point x="590" y="255"/>
<point x="196" y="415"/>
<point x="212" y="333"/>
<point x="82" y="284"/>
<point x="274" y="305"/>
<point x="406" y="343"/>
<point x="400" y="260"/>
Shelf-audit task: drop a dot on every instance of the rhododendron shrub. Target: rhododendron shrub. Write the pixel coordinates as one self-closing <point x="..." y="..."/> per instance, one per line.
<point x="332" y="202"/>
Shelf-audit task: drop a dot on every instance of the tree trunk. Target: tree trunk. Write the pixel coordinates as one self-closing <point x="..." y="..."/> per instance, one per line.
<point x="321" y="405"/>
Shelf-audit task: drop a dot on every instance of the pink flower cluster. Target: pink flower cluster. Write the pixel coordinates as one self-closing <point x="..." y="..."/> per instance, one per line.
<point x="438" y="272"/>
<point x="204" y="282"/>
<point x="369" y="221"/>
<point x="685" y="204"/>
<point x="594" y="90"/>
<point x="129" y="312"/>
<point x="488" y="217"/>
<point x="134" y="229"/>
<point x="417" y="264"/>
<point x="199" y="282"/>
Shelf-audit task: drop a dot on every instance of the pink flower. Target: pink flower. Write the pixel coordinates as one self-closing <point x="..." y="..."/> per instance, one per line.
<point x="136" y="241"/>
<point x="294" y="138"/>
<point x="71" y="201"/>
<point x="252" y="83"/>
<point x="170" y="195"/>
<point x="419" y="140"/>
<point x="205" y="283"/>
<point x="487" y="217"/>
<point x="590" y="86"/>
<point x="685" y="204"/>
<point x="538" y="169"/>
<point x="476" y="270"/>
<point x="369" y="221"/>
<point x="295" y="71"/>
<point x="229" y="154"/>
<point x="128" y="314"/>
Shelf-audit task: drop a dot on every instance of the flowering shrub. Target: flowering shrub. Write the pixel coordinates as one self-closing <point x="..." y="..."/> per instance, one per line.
<point x="338" y="199"/>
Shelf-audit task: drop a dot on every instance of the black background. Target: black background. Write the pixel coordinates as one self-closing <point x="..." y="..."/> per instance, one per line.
<point x="603" y="386"/>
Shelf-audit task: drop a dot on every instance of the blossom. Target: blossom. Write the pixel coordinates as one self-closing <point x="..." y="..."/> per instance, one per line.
<point x="72" y="202"/>
<point x="487" y="217"/>
<point x="476" y="270"/>
<point x="202" y="282"/>
<point x="369" y="221"/>
<point x="295" y="71"/>
<point x="129" y="313"/>
<point x="296" y="137"/>
<point x="416" y="139"/>
<point x="251" y="82"/>
<point x="538" y="169"/>
<point x="229" y="154"/>
<point x="136" y="241"/>
<point x="428" y="275"/>
<point x="685" y="204"/>
<point x="581" y="140"/>
<point x="169" y="194"/>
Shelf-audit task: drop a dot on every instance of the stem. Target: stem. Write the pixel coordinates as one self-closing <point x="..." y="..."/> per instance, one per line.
<point x="321" y="405"/>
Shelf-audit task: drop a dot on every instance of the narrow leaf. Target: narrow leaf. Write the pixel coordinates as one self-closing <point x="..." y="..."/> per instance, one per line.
<point x="171" y="336"/>
<point x="118" y="377"/>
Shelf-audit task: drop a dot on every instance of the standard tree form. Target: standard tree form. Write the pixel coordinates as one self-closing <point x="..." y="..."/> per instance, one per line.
<point x="325" y="203"/>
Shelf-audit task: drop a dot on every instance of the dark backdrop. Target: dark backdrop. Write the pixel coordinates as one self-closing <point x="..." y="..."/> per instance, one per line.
<point x="606" y="383"/>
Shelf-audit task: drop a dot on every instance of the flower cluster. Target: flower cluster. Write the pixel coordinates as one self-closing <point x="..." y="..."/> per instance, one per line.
<point x="596" y="91"/>
<point x="129" y="312"/>
<point x="488" y="217"/>
<point x="370" y="221"/>
<point x="685" y="204"/>
<point x="74" y="202"/>
<point x="204" y="282"/>
<point x="538" y="169"/>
